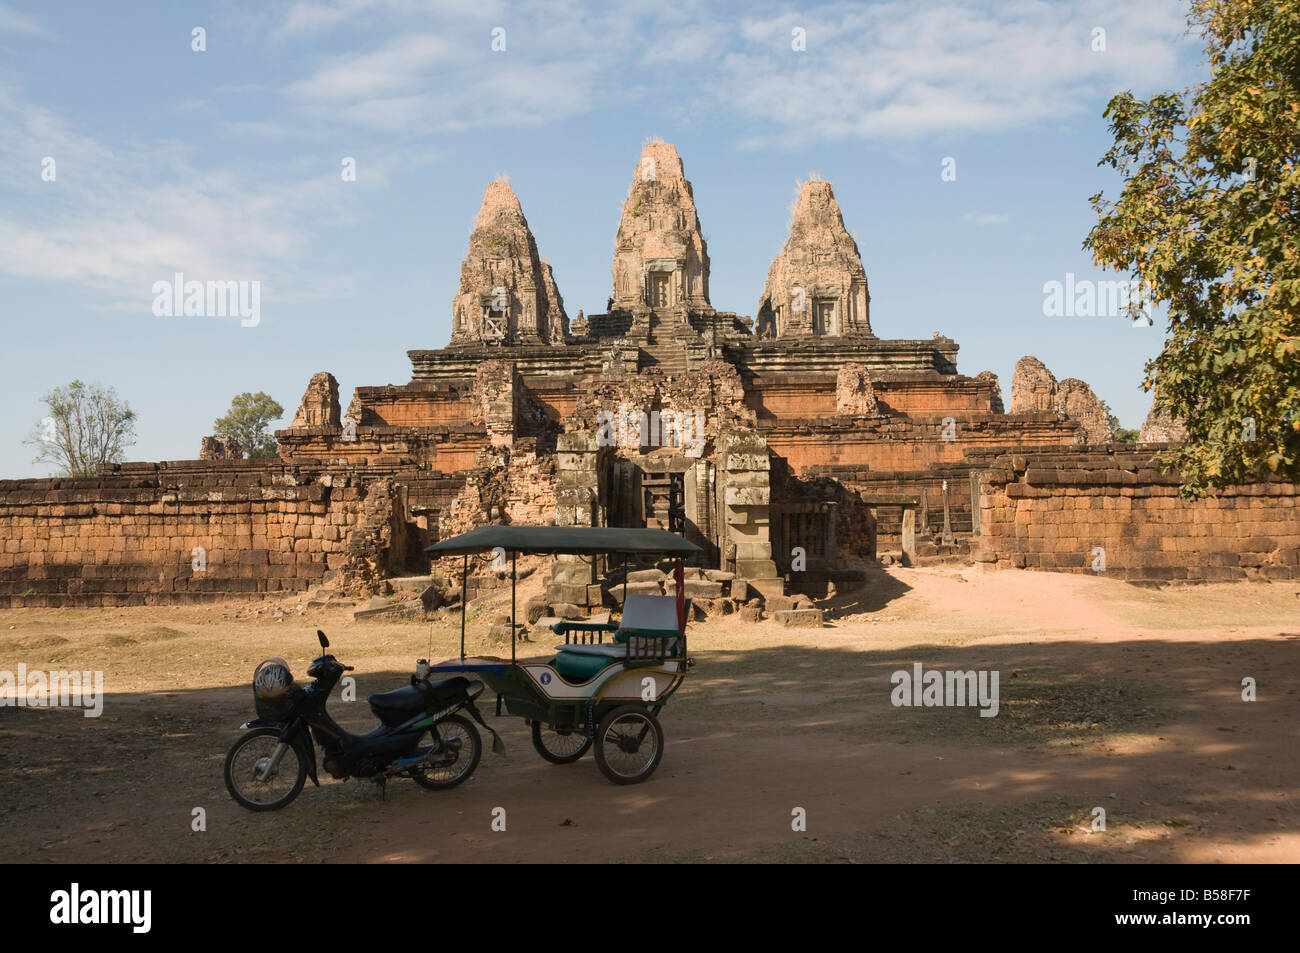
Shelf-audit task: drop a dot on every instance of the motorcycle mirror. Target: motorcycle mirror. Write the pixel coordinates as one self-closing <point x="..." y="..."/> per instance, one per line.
<point x="324" y="642"/>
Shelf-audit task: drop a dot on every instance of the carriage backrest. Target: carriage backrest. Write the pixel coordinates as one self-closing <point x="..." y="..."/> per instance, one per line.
<point x="641" y="611"/>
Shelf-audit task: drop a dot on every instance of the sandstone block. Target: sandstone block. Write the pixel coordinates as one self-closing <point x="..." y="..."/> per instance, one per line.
<point x="703" y="589"/>
<point x="799" y="618"/>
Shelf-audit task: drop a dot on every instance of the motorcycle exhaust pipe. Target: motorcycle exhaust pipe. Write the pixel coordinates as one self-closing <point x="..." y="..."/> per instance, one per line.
<point x="402" y="765"/>
<point x="399" y="768"/>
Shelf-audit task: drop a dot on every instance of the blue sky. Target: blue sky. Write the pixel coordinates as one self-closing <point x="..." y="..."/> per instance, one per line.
<point x="225" y="164"/>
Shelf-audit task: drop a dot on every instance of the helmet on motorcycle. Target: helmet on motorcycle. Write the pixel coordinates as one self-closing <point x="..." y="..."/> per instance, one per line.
<point x="272" y="679"/>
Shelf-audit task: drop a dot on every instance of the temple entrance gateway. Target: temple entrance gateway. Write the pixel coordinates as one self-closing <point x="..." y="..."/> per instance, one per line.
<point x="664" y="503"/>
<point x="652" y="496"/>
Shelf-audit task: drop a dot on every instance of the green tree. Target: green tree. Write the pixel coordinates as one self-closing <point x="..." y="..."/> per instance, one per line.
<point x="87" y="427"/>
<point x="1208" y="223"/>
<point x="247" y="422"/>
<point x="1117" y="430"/>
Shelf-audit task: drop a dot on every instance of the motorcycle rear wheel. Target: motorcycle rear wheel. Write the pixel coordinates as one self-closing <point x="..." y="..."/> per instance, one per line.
<point x="246" y="756"/>
<point x="446" y="772"/>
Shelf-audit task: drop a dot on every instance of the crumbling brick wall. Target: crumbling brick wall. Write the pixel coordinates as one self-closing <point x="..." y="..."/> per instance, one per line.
<point x="155" y="533"/>
<point x="925" y="485"/>
<point x="917" y="443"/>
<point x="376" y="545"/>
<point x="508" y="485"/>
<point x="1069" y="511"/>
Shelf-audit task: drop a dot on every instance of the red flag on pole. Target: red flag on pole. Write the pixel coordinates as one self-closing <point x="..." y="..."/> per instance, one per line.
<point x="679" y="577"/>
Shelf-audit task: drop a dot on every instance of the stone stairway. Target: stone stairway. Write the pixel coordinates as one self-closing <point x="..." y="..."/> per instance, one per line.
<point x="668" y="357"/>
<point x="663" y="349"/>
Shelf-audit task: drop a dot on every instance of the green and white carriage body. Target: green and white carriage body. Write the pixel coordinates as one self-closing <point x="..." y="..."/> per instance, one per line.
<point x="601" y="671"/>
<point x="536" y="690"/>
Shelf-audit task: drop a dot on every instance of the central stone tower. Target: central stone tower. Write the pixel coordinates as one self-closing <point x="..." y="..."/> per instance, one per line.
<point x="661" y="263"/>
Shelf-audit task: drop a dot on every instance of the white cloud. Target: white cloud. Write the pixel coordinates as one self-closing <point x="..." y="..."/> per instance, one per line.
<point x="315" y="17"/>
<point x="691" y="43"/>
<point x="893" y="70"/>
<point x="397" y="67"/>
<point x="899" y="70"/>
<point x="306" y="17"/>
<point x="419" y="83"/>
<point x="116" y="221"/>
<point x="11" y="21"/>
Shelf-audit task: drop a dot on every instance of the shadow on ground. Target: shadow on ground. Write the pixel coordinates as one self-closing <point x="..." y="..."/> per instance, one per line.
<point x="1156" y="732"/>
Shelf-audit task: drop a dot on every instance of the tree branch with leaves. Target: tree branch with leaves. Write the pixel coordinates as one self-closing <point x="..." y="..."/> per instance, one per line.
<point x="1208" y="222"/>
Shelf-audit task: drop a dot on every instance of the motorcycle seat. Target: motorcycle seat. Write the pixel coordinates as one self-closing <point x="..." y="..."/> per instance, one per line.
<point x="409" y="698"/>
<point x="415" y="697"/>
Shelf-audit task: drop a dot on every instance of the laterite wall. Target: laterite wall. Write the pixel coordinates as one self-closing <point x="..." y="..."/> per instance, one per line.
<point x="128" y="538"/>
<point x="1051" y="511"/>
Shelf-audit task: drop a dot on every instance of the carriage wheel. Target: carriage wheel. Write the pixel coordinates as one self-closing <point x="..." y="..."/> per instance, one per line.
<point x="629" y="744"/>
<point x="560" y="746"/>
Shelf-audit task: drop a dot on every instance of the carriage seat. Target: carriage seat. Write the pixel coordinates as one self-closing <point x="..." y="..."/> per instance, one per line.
<point x="642" y="614"/>
<point x="577" y="667"/>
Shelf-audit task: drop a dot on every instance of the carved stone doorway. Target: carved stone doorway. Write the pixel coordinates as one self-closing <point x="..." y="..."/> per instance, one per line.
<point x="664" y="501"/>
<point x="661" y="289"/>
<point x="823" y="317"/>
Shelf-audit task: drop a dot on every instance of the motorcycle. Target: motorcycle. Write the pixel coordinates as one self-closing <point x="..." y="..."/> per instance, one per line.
<point x="421" y="734"/>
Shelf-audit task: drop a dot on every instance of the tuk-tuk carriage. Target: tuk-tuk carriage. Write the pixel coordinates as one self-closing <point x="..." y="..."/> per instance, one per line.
<point x="606" y="684"/>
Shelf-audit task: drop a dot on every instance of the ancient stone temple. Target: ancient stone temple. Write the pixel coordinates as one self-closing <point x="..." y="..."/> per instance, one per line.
<point x="788" y="446"/>
<point x="1035" y="389"/>
<point x="759" y="441"/>
<point x="320" y="403"/>
<point x="1161" y="427"/>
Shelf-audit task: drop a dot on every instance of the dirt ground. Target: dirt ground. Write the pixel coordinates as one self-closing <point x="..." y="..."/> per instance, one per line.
<point x="1112" y="697"/>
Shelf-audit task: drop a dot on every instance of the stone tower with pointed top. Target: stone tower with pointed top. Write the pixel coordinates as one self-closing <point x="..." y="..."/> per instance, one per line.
<point x="660" y="258"/>
<point x="817" y="287"/>
<point x="507" y="294"/>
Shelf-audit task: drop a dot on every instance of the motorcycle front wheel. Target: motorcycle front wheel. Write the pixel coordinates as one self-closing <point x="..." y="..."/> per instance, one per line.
<point x="455" y="760"/>
<point x="251" y="780"/>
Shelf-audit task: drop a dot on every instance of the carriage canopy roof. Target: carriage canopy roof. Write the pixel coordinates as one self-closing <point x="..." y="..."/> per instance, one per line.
<point x="552" y="540"/>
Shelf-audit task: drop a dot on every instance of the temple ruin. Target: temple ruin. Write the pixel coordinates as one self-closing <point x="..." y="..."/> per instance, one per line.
<point x="663" y="411"/>
<point x="787" y="445"/>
